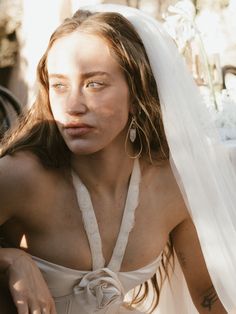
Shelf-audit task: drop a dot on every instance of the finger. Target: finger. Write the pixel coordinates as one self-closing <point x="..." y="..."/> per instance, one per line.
<point x="22" y="307"/>
<point x="34" y="308"/>
<point x="36" y="311"/>
<point x="46" y="310"/>
<point x="53" y="308"/>
<point x="43" y="308"/>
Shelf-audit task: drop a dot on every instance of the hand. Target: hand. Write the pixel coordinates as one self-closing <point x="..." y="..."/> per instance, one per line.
<point x="28" y="289"/>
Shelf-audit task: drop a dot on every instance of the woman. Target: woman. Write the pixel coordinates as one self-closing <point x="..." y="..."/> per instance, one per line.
<point x="94" y="203"/>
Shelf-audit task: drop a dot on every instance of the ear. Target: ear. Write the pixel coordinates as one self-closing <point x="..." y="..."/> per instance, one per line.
<point x="132" y="106"/>
<point x="134" y="110"/>
<point x="131" y="109"/>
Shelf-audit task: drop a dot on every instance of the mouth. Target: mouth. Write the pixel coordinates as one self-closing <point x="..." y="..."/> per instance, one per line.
<point x="77" y="129"/>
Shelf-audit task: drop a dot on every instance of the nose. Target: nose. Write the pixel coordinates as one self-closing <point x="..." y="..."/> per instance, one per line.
<point x="76" y="104"/>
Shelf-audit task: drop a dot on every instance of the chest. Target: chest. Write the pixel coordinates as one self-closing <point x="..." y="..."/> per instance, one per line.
<point x="51" y="227"/>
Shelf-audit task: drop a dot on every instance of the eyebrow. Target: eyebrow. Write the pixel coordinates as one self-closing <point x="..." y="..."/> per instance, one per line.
<point x="83" y="75"/>
<point x="60" y="76"/>
<point x="94" y="73"/>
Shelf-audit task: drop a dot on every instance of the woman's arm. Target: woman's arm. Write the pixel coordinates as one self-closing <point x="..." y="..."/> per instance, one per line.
<point x="22" y="278"/>
<point x="188" y="250"/>
<point x="26" y="284"/>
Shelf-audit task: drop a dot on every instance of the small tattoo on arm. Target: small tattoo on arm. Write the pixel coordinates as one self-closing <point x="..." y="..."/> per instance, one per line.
<point x="209" y="298"/>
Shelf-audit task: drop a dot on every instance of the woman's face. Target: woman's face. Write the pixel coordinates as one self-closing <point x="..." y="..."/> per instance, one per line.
<point x="88" y="93"/>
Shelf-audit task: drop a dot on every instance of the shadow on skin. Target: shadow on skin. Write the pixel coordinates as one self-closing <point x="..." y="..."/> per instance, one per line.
<point x="52" y="154"/>
<point x="6" y="304"/>
<point x="38" y="135"/>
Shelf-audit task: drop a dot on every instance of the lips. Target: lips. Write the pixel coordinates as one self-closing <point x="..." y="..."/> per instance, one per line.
<point x="77" y="129"/>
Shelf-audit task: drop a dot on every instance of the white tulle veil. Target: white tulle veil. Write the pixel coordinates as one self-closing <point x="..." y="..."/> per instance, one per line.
<point x="202" y="166"/>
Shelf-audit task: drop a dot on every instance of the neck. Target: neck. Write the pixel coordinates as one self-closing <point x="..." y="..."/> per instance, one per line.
<point x="104" y="170"/>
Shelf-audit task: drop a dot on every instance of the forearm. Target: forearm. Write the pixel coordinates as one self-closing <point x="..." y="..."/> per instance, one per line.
<point x="208" y="302"/>
<point x="25" y="283"/>
<point x="191" y="259"/>
<point x="8" y="257"/>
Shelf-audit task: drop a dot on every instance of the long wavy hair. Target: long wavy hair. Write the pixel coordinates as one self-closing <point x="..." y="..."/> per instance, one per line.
<point x="37" y="131"/>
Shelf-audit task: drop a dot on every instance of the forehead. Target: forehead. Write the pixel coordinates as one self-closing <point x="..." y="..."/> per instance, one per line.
<point x="79" y="51"/>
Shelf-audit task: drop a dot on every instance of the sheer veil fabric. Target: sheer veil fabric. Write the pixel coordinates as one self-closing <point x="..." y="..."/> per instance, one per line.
<point x="199" y="160"/>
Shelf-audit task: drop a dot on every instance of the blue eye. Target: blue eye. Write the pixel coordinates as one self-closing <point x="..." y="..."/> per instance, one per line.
<point x="94" y="84"/>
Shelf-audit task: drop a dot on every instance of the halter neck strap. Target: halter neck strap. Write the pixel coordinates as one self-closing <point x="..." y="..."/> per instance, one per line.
<point x="91" y="224"/>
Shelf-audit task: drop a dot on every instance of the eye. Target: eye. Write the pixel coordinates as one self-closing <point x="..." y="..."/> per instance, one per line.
<point x="94" y="84"/>
<point x="59" y="87"/>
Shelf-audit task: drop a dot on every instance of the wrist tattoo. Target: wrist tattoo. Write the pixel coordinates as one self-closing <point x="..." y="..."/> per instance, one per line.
<point x="209" y="298"/>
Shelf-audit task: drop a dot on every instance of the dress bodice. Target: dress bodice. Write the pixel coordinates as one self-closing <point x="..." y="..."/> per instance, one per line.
<point x="63" y="283"/>
<point x="103" y="289"/>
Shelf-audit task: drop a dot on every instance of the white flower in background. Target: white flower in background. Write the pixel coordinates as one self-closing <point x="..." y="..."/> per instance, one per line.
<point x="230" y="83"/>
<point x="225" y="117"/>
<point x="210" y="24"/>
<point x="179" y="22"/>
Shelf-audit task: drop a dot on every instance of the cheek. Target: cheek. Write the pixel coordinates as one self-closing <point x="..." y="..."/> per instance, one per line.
<point x="114" y="107"/>
<point x="57" y="110"/>
<point x="113" y="116"/>
<point x="115" y="120"/>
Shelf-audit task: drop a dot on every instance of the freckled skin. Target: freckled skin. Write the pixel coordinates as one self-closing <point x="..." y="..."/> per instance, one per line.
<point x="100" y="100"/>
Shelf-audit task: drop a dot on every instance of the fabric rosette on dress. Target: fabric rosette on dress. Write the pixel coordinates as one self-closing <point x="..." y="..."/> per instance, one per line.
<point x="99" y="290"/>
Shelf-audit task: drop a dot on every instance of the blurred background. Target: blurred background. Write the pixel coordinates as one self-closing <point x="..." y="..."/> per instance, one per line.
<point x="204" y="30"/>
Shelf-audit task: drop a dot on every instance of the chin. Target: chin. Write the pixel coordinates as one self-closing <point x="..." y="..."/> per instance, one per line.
<point x="82" y="149"/>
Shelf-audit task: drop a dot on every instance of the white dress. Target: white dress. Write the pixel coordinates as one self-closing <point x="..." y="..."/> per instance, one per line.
<point x="103" y="289"/>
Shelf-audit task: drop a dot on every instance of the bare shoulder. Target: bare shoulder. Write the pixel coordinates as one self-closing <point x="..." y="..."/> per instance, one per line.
<point x="161" y="175"/>
<point x="17" y="177"/>
<point x="166" y="191"/>
<point x="19" y="168"/>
